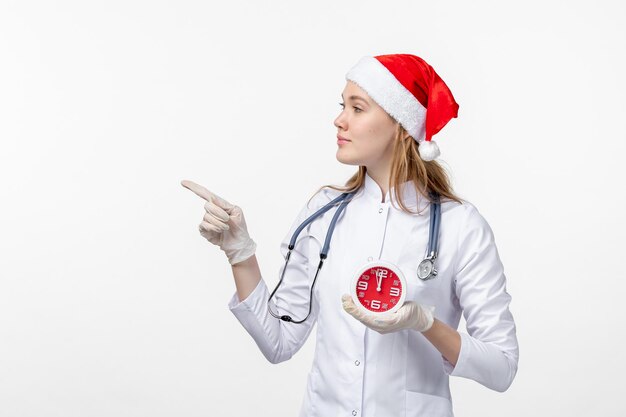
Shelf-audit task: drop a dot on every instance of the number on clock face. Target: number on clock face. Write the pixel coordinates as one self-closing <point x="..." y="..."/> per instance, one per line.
<point x="385" y="291"/>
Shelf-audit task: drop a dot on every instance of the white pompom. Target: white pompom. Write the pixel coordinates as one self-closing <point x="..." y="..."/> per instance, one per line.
<point x="429" y="150"/>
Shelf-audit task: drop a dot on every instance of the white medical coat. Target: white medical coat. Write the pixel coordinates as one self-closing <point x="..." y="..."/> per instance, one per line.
<point x="357" y="371"/>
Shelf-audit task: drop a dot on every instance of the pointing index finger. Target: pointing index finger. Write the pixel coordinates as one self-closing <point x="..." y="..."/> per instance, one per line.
<point x="198" y="190"/>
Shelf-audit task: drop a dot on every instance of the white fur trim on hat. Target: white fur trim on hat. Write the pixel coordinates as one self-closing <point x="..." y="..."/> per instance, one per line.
<point x="385" y="89"/>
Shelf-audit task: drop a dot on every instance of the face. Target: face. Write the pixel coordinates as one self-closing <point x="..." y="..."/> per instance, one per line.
<point x="369" y="129"/>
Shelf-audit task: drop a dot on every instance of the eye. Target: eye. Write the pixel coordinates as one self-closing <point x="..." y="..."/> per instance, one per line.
<point x="356" y="109"/>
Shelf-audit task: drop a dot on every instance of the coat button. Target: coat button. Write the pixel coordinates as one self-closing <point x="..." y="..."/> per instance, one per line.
<point x="354" y="412"/>
<point x="380" y="210"/>
<point x="357" y="363"/>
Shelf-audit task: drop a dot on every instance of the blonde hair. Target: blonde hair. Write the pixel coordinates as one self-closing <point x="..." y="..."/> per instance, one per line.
<point x="406" y="165"/>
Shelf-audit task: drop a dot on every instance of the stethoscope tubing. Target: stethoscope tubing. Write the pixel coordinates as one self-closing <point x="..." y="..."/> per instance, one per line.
<point x="345" y="198"/>
<point x="323" y="254"/>
<point x="435" y="222"/>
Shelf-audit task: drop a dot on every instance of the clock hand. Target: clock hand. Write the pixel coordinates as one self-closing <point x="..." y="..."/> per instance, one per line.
<point x="379" y="280"/>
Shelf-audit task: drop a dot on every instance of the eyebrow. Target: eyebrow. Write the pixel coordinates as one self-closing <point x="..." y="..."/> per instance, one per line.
<point x="355" y="97"/>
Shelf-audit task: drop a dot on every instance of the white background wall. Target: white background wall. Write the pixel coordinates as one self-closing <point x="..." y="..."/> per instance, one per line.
<point x="112" y="304"/>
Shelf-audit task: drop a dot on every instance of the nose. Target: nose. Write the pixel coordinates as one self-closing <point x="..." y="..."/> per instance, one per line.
<point x="340" y="122"/>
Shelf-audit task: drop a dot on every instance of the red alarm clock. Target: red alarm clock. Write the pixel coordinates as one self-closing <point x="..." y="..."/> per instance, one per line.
<point x="379" y="287"/>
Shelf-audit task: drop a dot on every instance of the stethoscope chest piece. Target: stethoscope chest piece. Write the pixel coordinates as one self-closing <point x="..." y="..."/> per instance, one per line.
<point x="378" y="287"/>
<point x="426" y="269"/>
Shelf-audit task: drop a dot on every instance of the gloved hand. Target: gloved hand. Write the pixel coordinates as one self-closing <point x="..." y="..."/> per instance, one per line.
<point x="223" y="225"/>
<point x="410" y="316"/>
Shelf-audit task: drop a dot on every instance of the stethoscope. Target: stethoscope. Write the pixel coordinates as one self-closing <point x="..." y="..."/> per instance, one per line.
<point x="425" y="270"/>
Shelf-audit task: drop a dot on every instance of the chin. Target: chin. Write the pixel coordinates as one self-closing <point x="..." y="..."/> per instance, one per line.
<point x="346" y="159"/>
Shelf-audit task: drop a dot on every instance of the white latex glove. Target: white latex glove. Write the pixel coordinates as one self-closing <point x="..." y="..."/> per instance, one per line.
<point x="410" y="316"/>
<point x="223" y="225"/>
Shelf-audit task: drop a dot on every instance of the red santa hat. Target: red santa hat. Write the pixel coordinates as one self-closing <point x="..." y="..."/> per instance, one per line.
<point x="410" y="90"/>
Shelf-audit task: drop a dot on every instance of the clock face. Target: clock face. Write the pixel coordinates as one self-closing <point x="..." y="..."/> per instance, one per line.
<point x="379" y="287"/>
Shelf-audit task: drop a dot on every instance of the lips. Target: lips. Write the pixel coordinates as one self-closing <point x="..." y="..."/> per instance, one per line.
<point x="339" y="137"/>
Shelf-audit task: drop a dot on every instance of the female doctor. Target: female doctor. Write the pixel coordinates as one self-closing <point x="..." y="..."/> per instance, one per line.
<point x="365" y="364"/>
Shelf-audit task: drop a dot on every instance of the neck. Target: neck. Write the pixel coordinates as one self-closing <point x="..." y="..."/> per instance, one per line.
<point x="381" y="177"/>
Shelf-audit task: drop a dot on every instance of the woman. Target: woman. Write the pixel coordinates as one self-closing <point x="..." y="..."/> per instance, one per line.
<point x="365" y="365"/>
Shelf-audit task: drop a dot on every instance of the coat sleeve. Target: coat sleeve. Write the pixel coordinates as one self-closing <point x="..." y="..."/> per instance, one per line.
<point x="489" y="353"/>
<point x="279" y="340"/>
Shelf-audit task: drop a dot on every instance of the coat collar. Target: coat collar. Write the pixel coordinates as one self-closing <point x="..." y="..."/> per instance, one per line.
<point x="407" y="190"/>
